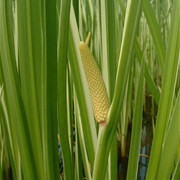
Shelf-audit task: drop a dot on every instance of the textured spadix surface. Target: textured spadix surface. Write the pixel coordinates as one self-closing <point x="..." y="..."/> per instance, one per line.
<point x="98" y="92"/>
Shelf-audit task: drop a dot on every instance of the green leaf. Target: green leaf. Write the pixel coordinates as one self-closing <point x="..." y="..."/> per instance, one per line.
<point x="51" y="122"/>
<point x="82" y="91"/>
<point x="62" y="91"/>
<point x="106" y="134"/>
<point x="171" y="141"/>
<point x="136" y="129"/>
<point x="29" y="50"/>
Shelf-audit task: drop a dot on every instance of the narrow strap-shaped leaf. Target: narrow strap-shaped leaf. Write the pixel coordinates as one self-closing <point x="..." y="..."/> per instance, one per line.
<point x="107" y="134"/>
<point x="51" y="122"/>
<point x="136" y="129"/>
<point x="62" y="79"/>
<point x="81" y="88"/>
<point x="29" y="51"/>
<point x="171" y="139"/>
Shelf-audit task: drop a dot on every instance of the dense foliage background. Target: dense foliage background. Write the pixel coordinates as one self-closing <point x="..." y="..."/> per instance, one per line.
<point x="44" y="92"/>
